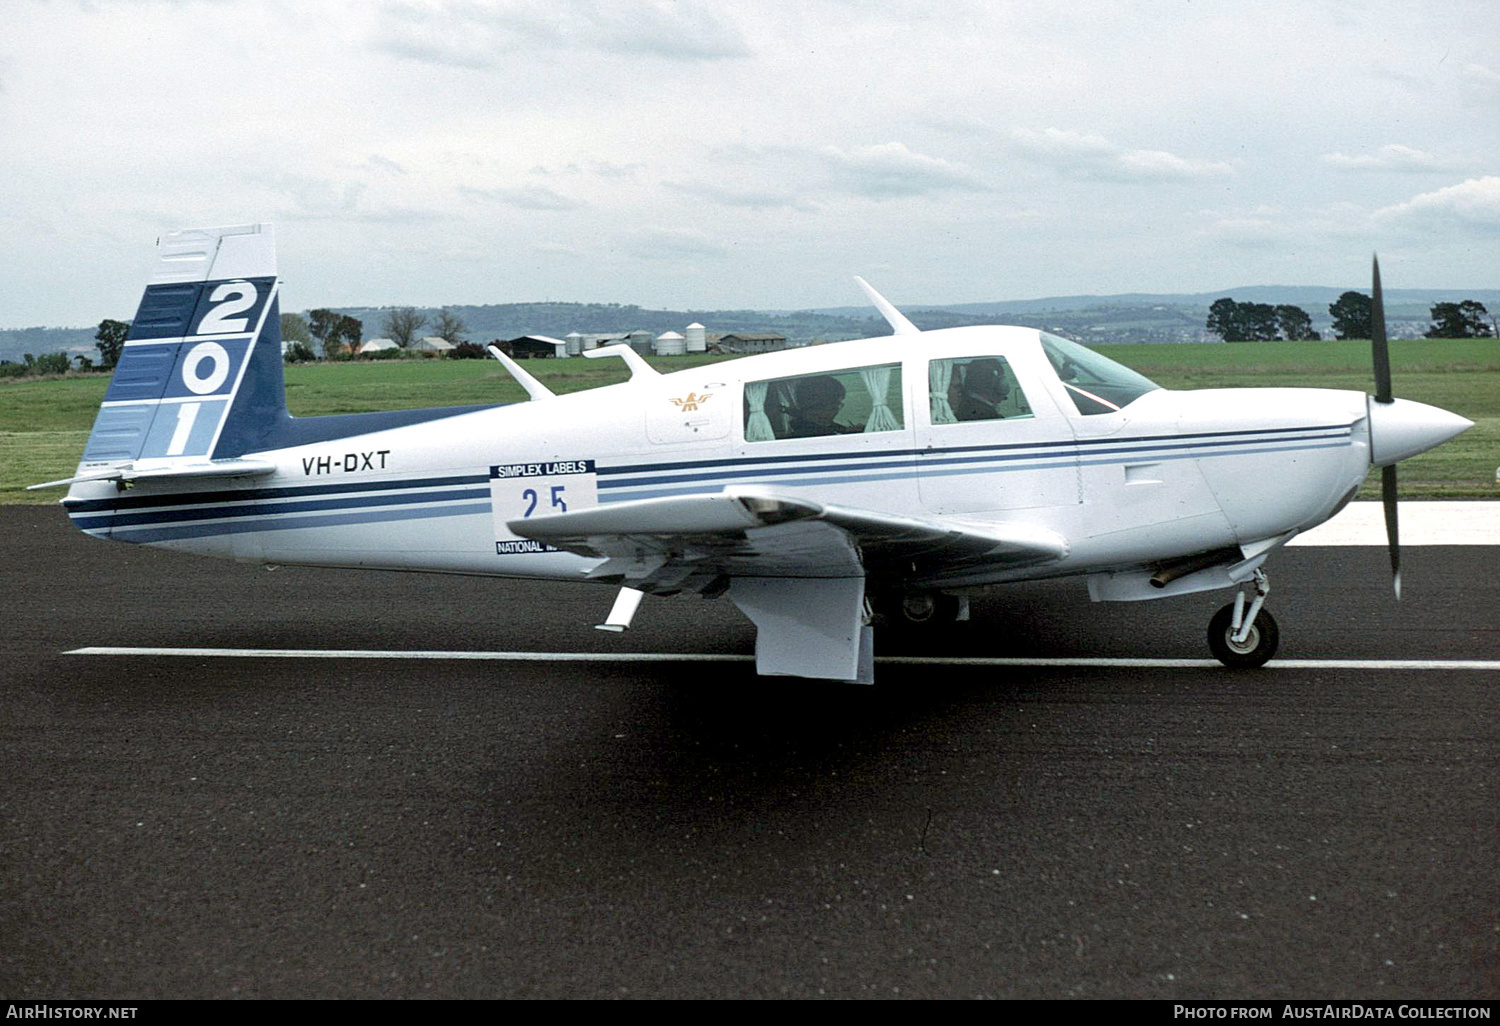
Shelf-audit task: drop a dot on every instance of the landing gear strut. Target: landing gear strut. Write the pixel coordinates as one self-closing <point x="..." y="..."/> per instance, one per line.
<point x="1241" y="638"/>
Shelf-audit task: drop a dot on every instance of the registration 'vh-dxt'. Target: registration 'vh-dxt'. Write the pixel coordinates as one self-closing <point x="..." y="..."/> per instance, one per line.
<point x="814" y="487"/>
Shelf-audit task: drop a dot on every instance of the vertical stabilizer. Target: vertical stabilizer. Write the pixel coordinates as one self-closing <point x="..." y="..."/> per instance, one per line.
<point x="199" y="376"/>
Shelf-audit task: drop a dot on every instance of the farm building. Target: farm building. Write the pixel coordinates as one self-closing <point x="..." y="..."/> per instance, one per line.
<point x="533" y="347"/>
<point x="752" y="341"/>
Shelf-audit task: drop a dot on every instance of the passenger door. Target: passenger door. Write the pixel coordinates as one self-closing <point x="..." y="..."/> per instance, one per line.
<point x="986" y="441"/>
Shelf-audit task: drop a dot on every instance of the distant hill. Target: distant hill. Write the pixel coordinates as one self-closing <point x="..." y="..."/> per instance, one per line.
<point x="1180" y="317"/>
<point x="17" y="342"/>
<point x="1129" y="317"/>
<point x="1411" y="302"/>
<point x="509" y="320"/>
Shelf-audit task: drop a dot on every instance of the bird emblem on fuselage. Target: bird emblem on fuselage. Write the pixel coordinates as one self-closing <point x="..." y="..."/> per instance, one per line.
<point x="693" y="400"/>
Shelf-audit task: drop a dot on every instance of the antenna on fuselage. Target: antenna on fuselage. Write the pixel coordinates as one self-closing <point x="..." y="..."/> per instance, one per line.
<point x="895" y="318"/>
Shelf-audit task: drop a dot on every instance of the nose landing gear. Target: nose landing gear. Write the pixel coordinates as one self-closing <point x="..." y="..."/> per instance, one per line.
<point x="1245" y="639"/>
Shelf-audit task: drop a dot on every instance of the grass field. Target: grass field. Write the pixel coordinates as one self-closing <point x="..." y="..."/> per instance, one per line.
<point x="44" y="423"/>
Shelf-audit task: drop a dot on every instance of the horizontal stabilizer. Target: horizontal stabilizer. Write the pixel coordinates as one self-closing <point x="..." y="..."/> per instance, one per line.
<point x="172" y="471"/>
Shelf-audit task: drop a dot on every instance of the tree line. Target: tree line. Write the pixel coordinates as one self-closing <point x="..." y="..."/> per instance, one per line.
<point x="339" y="335"/>
<point x="1262" y="322"/>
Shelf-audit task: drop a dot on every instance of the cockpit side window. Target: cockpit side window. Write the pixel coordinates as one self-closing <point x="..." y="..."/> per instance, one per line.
<point x="974" y="388"/>
<point x="1095" y="383"/>
<point x="856" y="400"/>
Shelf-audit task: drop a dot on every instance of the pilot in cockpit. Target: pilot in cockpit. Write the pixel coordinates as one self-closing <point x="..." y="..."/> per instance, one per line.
<point x="984" y="388"/>
<point x="818" y="401"/>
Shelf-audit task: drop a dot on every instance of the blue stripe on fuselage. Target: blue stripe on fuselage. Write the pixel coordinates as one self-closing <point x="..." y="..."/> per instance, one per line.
<point x="181" y="531"/>
<point x="263" y="509"/>
<point x="165" y="517"/>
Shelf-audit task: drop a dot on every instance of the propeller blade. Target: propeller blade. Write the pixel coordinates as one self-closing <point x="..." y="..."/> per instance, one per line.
<point x="1381" y="353"/>
<point x="1392" y="535"/>
<point x="1378" y="347"/>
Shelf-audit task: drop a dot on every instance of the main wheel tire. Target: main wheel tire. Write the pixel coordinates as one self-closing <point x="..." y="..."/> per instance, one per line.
<point x="918" y="608"/>
<point x="928" y="608"/>
<point x="1257" y="648"/>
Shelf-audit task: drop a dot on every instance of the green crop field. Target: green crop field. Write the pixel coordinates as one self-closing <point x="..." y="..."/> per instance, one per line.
<point x="44" y="423"/>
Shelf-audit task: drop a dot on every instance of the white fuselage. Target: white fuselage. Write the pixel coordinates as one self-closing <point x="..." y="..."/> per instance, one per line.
<point x="1169" y="475"/>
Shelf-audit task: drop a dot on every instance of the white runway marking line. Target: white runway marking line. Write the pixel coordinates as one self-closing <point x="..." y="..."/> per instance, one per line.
<point x="709" y="657"/>
<point x="1452" y="522"/>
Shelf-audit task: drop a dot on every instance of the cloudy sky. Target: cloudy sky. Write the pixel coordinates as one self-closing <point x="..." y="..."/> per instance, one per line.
<point x="678" y="153"/>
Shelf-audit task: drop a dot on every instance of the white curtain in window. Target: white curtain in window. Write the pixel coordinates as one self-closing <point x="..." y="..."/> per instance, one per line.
<point x="758" y="426"/>
<point x="939" y="379"/>
<point x="877" y="380"/>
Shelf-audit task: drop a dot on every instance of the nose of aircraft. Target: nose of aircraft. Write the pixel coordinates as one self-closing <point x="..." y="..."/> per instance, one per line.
<point x="1402" y="428"/>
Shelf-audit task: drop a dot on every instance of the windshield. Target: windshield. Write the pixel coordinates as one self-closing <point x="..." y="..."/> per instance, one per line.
<point x="1096" y="383"/>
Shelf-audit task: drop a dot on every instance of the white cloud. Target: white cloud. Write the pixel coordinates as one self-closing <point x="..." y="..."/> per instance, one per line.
<point x="1473" y="202"/>
<point x="1339" y="226"/>
<point x="487" y="33"/>
<point x="892" y="171"/>
<point x="1093" y="156"/>
<point x="1391" y="157"/>
<point x="668" y="243"/>
<point x="1058" y="145"/>
<point x="802" y="177"/>
<point x="527" y="197"/>
<point x="1483" y="75"/>
<point x="318" y="197"/>
<point x="1159" y="165"/>
<point x="1249" y="231"/>
<point x="730" y="196"/>
<point x="385" y="164"/>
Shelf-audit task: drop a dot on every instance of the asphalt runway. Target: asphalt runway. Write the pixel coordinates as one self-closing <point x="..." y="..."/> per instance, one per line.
<point x="191" y="826"/>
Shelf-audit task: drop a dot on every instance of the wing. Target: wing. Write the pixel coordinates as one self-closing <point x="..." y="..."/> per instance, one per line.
<point x="795" y="567"/>
<point x="698" y="543"/>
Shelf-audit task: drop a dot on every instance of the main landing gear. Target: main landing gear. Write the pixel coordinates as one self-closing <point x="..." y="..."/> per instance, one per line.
<point x="920" y="608"/>
<point x="924" y="608"/>
<point x="1241" y="638"/>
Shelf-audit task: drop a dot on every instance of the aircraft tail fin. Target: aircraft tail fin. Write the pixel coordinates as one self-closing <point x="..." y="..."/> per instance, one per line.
<point x="199" y="378"/>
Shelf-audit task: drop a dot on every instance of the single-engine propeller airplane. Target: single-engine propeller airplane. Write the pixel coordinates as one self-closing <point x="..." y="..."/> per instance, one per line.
<point x="812" y="486"/>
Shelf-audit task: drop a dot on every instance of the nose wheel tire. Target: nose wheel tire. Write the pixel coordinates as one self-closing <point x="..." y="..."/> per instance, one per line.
<point x="1257" y="647"/>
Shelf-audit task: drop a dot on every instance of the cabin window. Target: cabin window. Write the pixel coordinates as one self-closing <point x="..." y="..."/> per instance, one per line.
<point x="974" y="388"/>
<point x="1095" y="383"/>
<point x="857" y="400"/>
